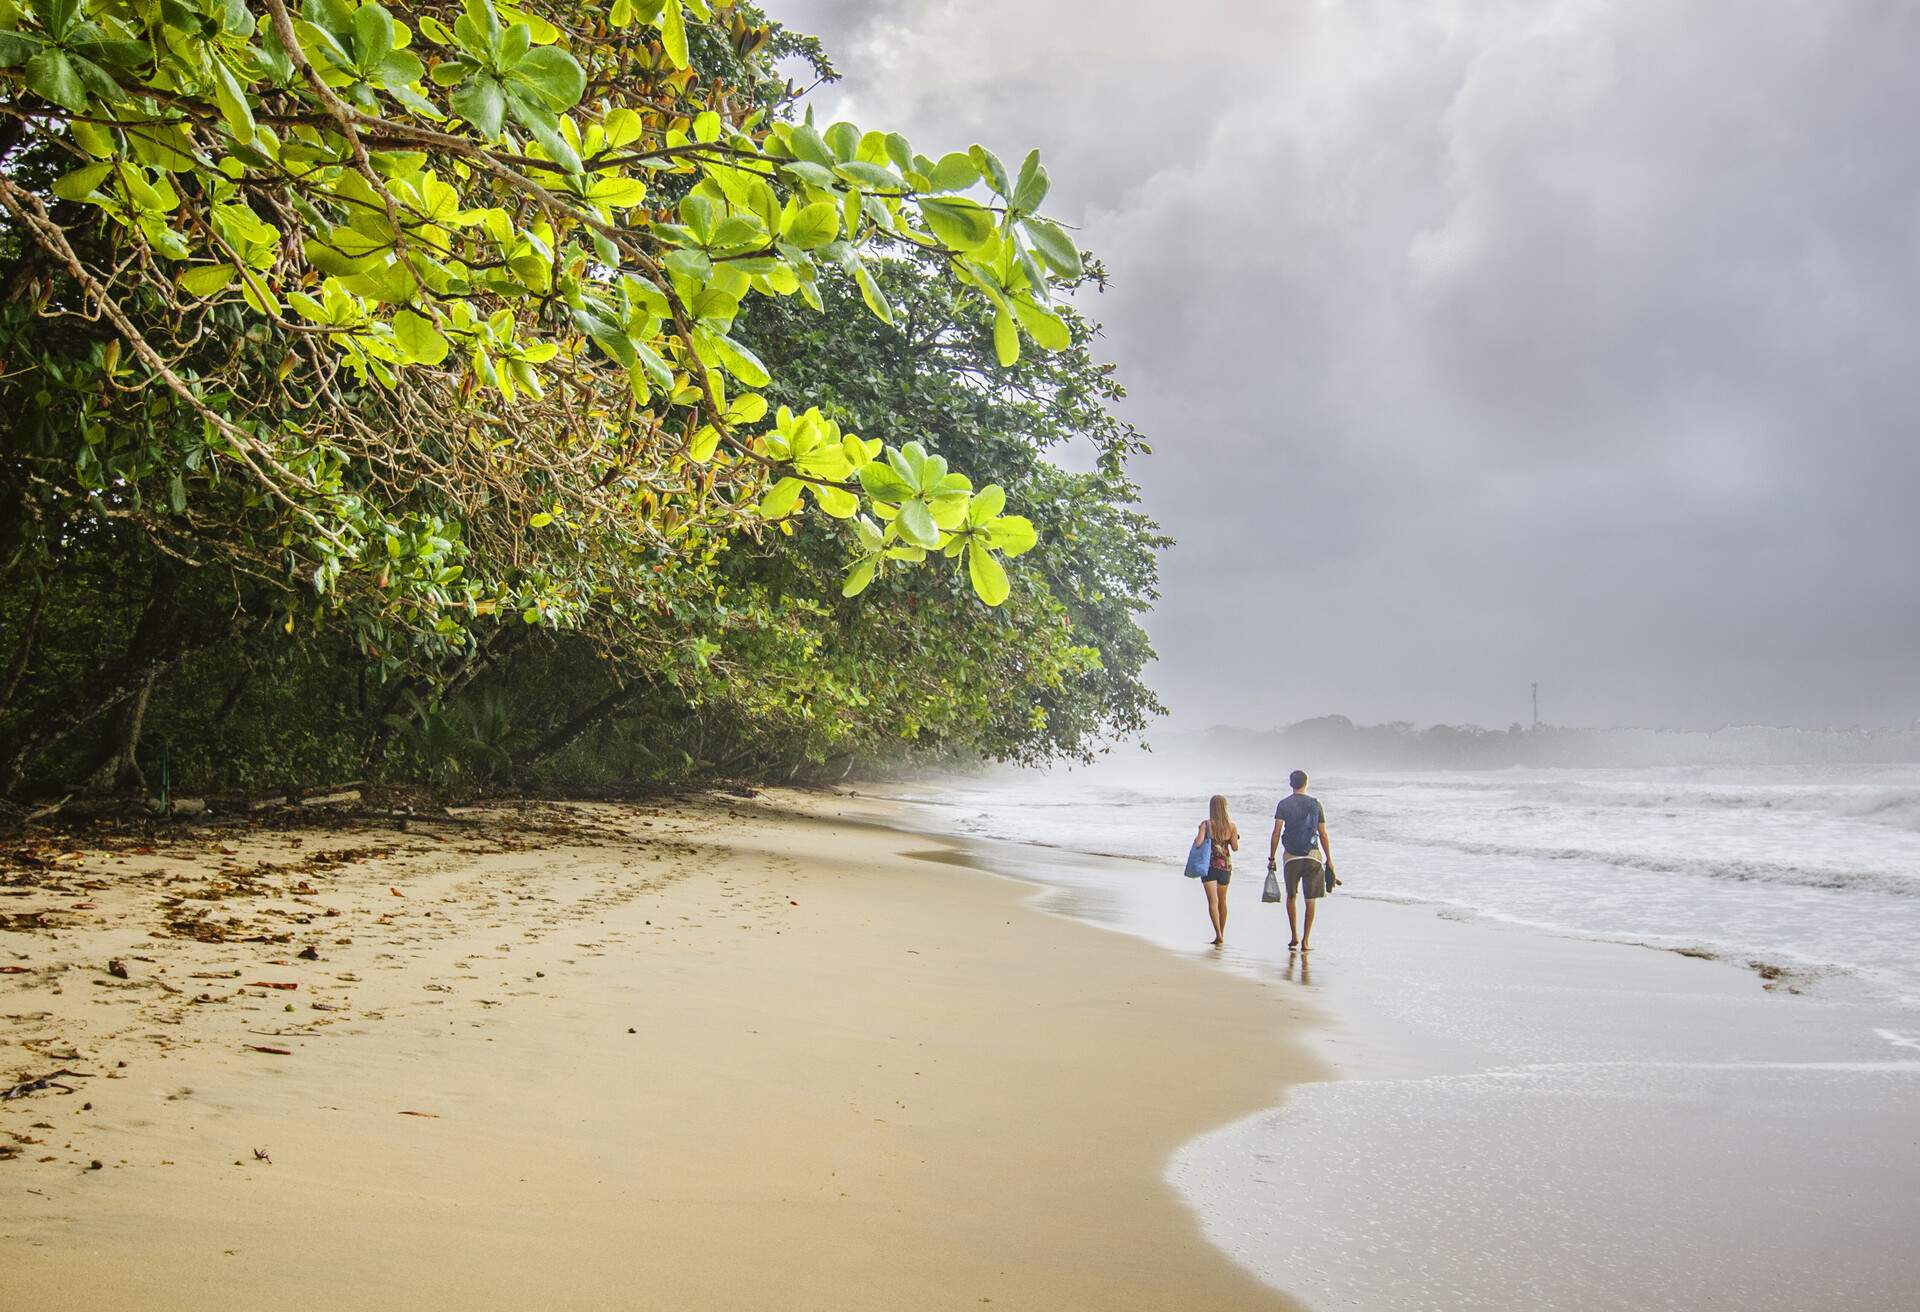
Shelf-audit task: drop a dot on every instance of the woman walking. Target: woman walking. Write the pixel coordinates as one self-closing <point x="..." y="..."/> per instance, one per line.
<point x="1223" y="836"/>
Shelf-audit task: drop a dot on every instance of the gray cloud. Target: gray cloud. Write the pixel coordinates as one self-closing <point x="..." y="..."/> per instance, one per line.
<point x="1485" y="342"/>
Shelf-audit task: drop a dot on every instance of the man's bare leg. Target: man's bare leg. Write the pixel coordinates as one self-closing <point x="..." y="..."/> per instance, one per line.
<point x="1307" y="933"/>
<point x="1293" y="929"/>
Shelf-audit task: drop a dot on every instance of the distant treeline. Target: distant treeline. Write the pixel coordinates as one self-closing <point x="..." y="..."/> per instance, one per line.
<point x="1334" y="741"/>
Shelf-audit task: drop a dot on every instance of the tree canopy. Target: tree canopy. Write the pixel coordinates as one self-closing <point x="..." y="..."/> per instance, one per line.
<point x="411" y="333"/>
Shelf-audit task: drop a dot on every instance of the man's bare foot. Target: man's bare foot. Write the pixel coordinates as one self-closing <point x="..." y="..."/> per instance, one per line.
<point x="1217" y="942"/>
<point x="1303" y="948"/>
<point x="1292" y="943"/>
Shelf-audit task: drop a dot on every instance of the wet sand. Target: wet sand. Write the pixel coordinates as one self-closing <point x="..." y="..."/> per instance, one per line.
<point x="706" y="1055"/>
<point x="1524" y="1119"/>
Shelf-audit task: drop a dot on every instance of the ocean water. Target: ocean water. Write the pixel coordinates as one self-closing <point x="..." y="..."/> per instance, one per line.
<point x="1535" y="1107"/>
<point x="1814" y="870"/>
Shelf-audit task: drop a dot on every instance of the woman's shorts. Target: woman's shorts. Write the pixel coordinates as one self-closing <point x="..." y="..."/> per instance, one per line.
<point x="1217" y="876"/>
<point x="1306" y="870"/>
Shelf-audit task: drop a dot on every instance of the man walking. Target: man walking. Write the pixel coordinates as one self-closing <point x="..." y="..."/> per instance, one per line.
<point x="1300" y="825"/>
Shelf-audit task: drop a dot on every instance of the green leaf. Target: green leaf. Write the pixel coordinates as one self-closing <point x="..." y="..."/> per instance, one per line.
<point x="206" y="279"/>
<point x="988" y="576"/>
<point x="81" y="183"/>
<point x="513" y="45"/>
<point x="747" y="408"/>
<point x="815" y="225"/>
<point x="540" y="121"/>
<point x="232" y="98"/>
<point x="883" y="484"/>
<point x="814" y="175"/>
<point x="991" y="169"/>
<point x="1006" y="337"/>
<point x="780" y="501"/>
<point x="1054" y="246"/>
<point x="540" y="520"/>
<point x="52" y="76"/>
<point x="92" y="138"/>
<point x="1013" y="534"/>
<point x="960" y="223"/>
<point x="1046" y="328"/>
<point x="742" y="363"/>
<point x="917" y="526"/>
<point x="987" y="502"/>
<point x="808" y="146"/>
<point x="417" y="336"/>
<point x="843" y="139"/>
<point x="16" y="48"/>
<point x="955" y="172"/>
<point x="673" y="33"/>
<point x="870" y="175"/>
<point x="870" y="293"/>
<point x="555" y="74"/>
<point x="482" y="102"/>
<point x="858" y="580"/>
<point x="1033" y="184"/>
<point x="705" y="443"/>
<point x="58" y="15"/>
<point x="836" y="501"/>
<point x="690" y="264"/>
<point x="372" y="35"/>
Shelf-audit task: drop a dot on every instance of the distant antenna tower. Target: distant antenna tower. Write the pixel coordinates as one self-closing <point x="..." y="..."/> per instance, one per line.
<point x="1536" y="705"/>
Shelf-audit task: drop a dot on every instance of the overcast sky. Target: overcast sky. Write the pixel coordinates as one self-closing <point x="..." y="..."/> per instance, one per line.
<point x="1483" y="341"/>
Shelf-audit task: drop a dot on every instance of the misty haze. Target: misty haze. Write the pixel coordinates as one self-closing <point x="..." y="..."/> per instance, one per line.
<point x="771" y="655"/>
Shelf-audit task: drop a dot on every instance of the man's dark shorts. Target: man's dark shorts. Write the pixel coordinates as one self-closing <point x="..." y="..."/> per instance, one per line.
<point x="1306" y="870"/>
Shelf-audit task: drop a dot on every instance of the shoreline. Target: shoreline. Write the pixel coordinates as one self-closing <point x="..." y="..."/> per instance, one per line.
<point x="1627" y="1125"/>
<point x="717" y="1054"/>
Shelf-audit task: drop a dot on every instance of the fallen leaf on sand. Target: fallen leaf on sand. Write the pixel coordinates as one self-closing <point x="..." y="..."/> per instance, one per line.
<point x="86" y="906"/>
<point x="271" y="984"/>
<point x="396" y="892"/>
<point x="15" y="970"/>
<point x="278" y="1052"/>
<point x="432" y="1116"/>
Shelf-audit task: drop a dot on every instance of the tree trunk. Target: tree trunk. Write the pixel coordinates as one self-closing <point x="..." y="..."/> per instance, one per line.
<point x="235" y="692"/>
<point x="159" y="642"/>
<point x="567" y="733"/>
<point x="118" y="769"/>
<point x="24" y="657"/>
<point x="494" y="645"/>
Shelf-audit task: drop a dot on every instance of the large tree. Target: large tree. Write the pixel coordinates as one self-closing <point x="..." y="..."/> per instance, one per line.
<point x="414" y="329"/>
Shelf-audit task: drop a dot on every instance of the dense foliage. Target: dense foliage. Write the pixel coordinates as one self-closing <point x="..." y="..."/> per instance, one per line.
<point x="512" y="390"/>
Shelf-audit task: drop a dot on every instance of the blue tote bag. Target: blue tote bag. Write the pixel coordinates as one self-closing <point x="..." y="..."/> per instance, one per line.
<point x="1199" y="858"/>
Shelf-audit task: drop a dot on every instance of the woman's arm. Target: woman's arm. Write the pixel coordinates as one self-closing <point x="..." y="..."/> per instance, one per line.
<point x="1233" y="839"/>
<point x="1200" y="834"/>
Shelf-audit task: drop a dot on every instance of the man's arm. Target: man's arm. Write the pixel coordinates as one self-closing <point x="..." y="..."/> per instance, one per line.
<point x="1273" y="844"/>
<point x="1326" y="844"/>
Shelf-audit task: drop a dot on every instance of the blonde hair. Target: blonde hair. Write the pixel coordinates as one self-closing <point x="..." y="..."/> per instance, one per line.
<point x="1217" y="817"/>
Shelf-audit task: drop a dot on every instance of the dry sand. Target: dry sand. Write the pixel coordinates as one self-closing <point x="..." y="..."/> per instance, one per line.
<point x="696" y="1055"/>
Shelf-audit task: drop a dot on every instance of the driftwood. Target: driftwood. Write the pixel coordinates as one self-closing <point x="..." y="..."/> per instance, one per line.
<point x="41" y="1083"/>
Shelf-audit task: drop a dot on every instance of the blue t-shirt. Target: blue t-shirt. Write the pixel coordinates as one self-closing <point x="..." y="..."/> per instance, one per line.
<point x="1302" y="817"/>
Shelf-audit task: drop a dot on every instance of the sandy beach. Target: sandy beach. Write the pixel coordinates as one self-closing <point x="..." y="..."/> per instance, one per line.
<point x="709" y="1053"/>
